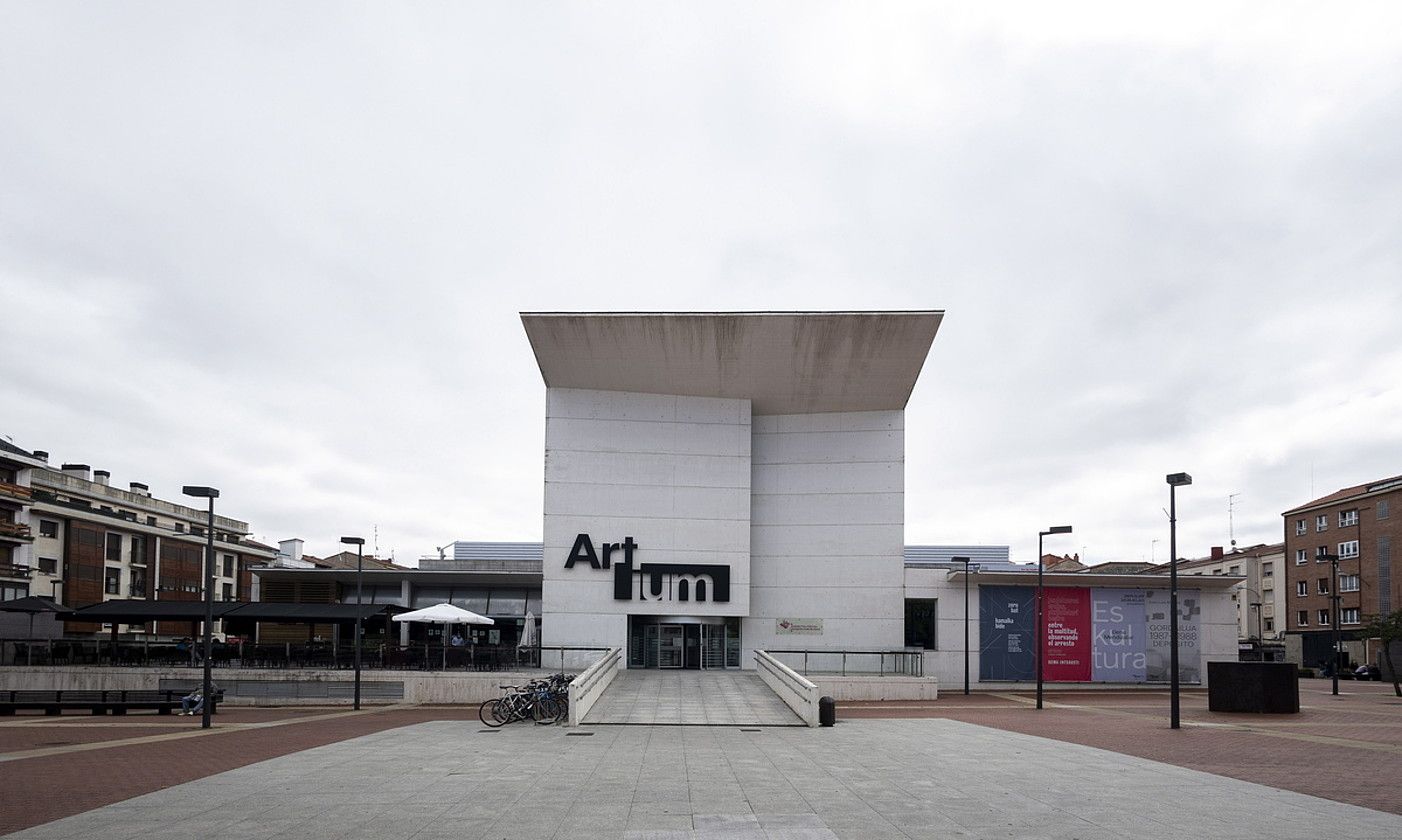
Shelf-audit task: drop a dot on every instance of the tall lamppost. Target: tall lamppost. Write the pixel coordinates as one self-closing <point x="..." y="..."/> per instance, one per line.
<point x="965" y="561"/>
<point x="207" y="702"/>
<point x="359" y="543"/>
<point x="1260" y="633"/>
<point x="1055" y="529"/>
<point x="1175" y="480"/>
<point x="1334" y="602"/>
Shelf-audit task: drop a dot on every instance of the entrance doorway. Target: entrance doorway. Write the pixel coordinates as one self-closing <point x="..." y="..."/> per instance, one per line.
<point x="683" y="642"/>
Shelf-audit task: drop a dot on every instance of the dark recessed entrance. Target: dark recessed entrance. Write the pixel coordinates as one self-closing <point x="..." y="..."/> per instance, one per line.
<point x="683" y="642"/>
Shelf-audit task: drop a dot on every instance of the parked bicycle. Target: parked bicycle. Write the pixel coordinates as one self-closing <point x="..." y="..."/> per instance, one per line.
<point x="544" y="701"/>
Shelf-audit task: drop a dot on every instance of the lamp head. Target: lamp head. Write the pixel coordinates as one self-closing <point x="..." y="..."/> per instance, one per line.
<point x="1179" y="479"/>
<point x="353" y="540"/>
<point x="963" y="560"/>
<point x="1058" y="529"/>
<point x="200" y="492"/>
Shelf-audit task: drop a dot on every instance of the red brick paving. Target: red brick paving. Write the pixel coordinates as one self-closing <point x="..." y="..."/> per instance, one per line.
<point x="1134" y="723"/>
<point x="38" y="790"/>
<point x="1253" y="748"/>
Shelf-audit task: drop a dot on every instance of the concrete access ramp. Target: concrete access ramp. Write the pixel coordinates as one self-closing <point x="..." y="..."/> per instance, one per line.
<point x="690" y="698"/>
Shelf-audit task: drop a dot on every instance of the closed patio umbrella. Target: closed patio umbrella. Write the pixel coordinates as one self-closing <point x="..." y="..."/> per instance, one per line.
<point x="444" y="614"/>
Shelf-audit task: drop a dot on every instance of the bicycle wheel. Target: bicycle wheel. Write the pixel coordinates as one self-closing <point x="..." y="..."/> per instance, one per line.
<point x="487" y="712"/>
<point x="546" y="711"/>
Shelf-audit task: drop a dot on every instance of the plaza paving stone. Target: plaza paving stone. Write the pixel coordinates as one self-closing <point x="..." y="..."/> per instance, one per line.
<point x="890" y="778"/>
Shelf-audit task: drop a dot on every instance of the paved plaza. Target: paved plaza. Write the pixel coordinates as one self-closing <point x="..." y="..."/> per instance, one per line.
<point x="691" y="698"/>
<point x="867" y="779"/>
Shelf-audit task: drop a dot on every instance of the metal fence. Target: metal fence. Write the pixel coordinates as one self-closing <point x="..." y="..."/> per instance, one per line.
<point x="411" y="657"/>
<point x="902" y="663"/>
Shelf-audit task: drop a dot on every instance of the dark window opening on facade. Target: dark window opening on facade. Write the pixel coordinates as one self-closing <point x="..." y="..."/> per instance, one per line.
<point x="920" y="617"/>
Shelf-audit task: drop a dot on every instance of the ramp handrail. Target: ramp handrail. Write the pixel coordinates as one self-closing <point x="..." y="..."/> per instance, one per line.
<point x="589" y="686"/>
<point x="797" y="692"/>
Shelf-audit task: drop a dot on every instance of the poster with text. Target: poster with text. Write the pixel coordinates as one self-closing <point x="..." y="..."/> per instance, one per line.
<point x="1067" y="634"/>
<point x="1156" y="608"/>
<point x="1006" y="638"/>
<point x="1119" y="644"/>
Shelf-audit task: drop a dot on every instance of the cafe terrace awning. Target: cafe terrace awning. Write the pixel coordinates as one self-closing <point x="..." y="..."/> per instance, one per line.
<point x="140" y="612"/>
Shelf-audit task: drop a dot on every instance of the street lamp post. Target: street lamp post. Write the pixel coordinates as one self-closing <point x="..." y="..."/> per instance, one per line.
<point x="965" y="561"/>
<point x="1260" y="633"/>
<point x="1175" y="480"/>
<point x="207" y="703"/>
<point x="359" y="543"/>
<point x="1055" y="529"/>
<point x="1334" y="602"/>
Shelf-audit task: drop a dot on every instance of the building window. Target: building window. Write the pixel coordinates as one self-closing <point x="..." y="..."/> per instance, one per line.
<point x="1303" y="618"/>
<point x="48" y="528"/>
<point x="9" y="590"/>
<point x="1234" y="570"/>
<point x="180" y="527"/>
<point x="1270" y="624"/>
<point x="920" y="614"/>
<point x="114" y="547"/>
<point x="138" y="548"/>
<point x="1348" y="615"/>
<point x="1348" y="517"/>
<point x="228" y="592"/>
<point x="1302" y="588"/>
<point x="1321" y="522"/>
<point x="228" y="565"/>
<point x="1323" y="618"/>
<point x="48" y="565"/>
<point x="1382" y="508"/>
<point x="150" y="520"/>
<point x="1300" y="558"/>
<point x="1348" y="583"/>
<point x="138" y="582"/>
<point x="113" y="582"/>
<point x="1324" y="586"/>
<point x="1267" y="569"/>
<point x="1300" y="527"/>
<point x="1320" y="553"/>
<point x="1348" y="549"/>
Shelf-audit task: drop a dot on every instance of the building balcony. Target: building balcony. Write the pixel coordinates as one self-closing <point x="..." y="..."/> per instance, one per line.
<point x="13" y="572"/>
<point x="16" y="492"/>
<point x="15" y="532"/>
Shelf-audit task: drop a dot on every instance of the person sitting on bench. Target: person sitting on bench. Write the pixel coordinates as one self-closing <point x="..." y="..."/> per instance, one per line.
<point x="193" y="703"/>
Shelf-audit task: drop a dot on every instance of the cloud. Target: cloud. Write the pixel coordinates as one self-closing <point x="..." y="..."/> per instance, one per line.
<point x="281" y="250"/>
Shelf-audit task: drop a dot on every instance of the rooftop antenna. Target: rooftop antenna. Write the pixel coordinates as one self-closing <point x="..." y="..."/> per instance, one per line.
<point x="1231" y="528"/>
<point x="377" y="540"/>
<point x="441" y="549"/>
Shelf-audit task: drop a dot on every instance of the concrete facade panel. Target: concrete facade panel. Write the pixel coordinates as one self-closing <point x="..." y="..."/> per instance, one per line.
<point x="829" y="509"/>
<point x="656" y="469"/>
<point x="828" y="447"/>
<point x="876" y="476"/>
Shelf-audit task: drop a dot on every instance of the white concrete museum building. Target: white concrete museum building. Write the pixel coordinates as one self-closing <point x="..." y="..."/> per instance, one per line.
<point x="718" y="483"/>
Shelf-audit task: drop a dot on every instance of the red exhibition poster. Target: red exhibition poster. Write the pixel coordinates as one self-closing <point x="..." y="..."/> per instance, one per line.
<point x="1067" y="634"/>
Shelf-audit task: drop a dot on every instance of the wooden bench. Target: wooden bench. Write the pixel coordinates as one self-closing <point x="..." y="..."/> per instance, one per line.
<point x="163" y="701"/>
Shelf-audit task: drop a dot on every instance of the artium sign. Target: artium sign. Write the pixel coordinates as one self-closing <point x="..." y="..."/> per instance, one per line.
<point x="696" y="582"/>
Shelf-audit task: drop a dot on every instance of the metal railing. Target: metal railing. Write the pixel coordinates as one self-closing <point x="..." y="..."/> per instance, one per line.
<point x="901" y="663"/>
<point x="285" y="656"/>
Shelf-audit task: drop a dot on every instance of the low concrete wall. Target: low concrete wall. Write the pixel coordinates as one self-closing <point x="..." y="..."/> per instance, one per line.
<point x="282" y="688"/>
<point x="590" y="685"/>
<point x="797" y="692"/>
<point x="876" y="688"/>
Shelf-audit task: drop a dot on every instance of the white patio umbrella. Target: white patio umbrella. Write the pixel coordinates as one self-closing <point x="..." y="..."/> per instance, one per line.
<point x="444" y="614"/>
<point x="528" y="631"/>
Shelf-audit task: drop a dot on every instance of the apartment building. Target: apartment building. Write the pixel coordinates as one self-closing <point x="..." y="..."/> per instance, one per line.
<point x="16" y="533"/>
<point x="88" y="541"/>
<point x="1260" y="598"/>
<point x="1359" y="525"/>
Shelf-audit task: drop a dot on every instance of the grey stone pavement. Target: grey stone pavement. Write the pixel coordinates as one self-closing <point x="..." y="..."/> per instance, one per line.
<point x="711" y="698"/>
<point x="867" y="779"/>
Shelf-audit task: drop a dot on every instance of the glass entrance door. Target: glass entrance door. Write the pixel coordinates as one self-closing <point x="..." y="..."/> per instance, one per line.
<point x="712" y="646"/>
<point x="671" y="641"/>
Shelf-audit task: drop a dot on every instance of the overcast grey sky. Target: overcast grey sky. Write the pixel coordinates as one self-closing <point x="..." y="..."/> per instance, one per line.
<point x="281" y="248"/>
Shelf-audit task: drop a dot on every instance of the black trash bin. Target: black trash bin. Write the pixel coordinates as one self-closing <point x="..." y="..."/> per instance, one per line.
<point x="827" y="711"/>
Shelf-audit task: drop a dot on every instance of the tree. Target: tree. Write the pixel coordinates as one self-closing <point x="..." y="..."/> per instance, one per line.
<point x="1388" y="628"/>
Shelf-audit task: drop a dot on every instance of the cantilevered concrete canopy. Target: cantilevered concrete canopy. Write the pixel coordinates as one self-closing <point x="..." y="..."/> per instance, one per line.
<point x="784" y="362"/>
